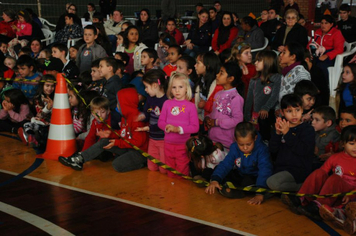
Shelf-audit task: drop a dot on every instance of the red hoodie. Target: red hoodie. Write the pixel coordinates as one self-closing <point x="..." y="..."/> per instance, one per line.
<point x="128" y="106"/>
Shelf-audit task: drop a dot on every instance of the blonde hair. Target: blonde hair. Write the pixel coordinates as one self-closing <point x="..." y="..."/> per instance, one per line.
<point x="177" y="75"/>
<point x="237" y="50"/>
<point x="100" y="103"/>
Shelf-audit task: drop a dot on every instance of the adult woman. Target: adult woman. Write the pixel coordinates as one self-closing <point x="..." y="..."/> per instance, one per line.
<point x="36" y="47"/>
<point x="290" y="32"/>
<point x="6" y="31"/>
<point x="250" y="33"/>
<point x="72" y="8"/>
<point x="199" y="37"/>
<point x="171" y="28"/>
<point x="148" y="29"/>
<point x="331" y="40"/>
<point x="224" y="35"/>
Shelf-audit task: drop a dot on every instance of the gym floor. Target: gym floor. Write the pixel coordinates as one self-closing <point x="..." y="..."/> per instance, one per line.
<point x="40" y="197"/>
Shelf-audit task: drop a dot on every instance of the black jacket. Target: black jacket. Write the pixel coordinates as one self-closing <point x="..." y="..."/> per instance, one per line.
<point x="297" y="34"/>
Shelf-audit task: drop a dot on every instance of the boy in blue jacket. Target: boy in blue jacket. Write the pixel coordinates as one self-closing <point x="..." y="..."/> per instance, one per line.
<point x="248" y="163"/>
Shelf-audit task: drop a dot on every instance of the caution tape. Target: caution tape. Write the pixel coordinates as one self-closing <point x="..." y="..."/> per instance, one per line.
<point x="204" y="183"/>
<point x="25" y="80"/>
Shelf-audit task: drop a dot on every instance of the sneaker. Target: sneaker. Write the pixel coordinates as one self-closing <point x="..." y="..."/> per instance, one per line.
<point x="231" y="193"/>
<point x="311" y="210"/>
<point x="75" y="161"/>
<point x="22" y="135"/>
<point x="28" y="128"/>
<point x="293" y="202"/>
<point x="334" y="215"/>
<point x="350" y="222"/>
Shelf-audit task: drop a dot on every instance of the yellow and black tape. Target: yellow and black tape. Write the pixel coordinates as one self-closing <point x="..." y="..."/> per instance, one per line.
<point x="205" y="183"/>
<point x="25" y="80"/>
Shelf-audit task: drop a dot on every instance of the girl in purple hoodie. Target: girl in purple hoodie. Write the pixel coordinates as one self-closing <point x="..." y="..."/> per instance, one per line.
<point x="228" y="105"/>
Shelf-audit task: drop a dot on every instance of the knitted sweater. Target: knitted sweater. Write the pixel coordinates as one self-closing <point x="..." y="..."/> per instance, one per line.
<point x="262" y="96"/>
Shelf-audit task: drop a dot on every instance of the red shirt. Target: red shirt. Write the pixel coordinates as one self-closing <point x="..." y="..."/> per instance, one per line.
<point x="169" y="69"/>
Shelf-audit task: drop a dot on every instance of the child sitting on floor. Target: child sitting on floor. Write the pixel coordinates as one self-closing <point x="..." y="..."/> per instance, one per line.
<point x="248" y="163"/>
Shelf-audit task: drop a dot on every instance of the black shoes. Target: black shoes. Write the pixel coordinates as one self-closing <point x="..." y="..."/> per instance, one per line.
<point x="75" y="161"/>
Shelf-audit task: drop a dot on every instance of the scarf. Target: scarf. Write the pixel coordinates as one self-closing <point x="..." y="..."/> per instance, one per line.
<point x="289" y="68"/>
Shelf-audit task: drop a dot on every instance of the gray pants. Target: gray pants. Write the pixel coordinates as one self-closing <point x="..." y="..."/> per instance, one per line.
<point x="126" y="159"/>
<point x="283" y="181"/>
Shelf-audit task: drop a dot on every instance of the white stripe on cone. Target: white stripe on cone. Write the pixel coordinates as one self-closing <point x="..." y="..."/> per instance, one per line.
<point x="61" y="101"/>
<point x="61" y="132"/>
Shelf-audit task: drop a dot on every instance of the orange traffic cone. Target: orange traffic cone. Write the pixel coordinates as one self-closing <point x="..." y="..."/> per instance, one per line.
<point x="61" y="137"/>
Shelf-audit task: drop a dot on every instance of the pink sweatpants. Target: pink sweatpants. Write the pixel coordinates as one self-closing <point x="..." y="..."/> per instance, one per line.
<point x="176" y="157"/>
<point x="156" y="149"/>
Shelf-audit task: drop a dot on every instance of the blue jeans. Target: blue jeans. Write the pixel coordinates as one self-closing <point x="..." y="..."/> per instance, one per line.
<point x="113" y="39"/>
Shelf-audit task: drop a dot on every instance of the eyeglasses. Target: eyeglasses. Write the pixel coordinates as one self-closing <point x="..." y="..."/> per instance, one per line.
<point x="291" y="18"/>
<point x="73" y="9"/>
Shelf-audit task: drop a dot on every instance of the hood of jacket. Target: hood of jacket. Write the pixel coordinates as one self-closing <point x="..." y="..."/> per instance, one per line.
<point x="127" y="100"/>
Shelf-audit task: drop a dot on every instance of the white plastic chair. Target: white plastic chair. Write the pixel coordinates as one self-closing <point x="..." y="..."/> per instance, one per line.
<point x="49" y="36"/>
<point x="262" y="48"/>
<point x="336" y="70"/>
<point x="185" y="35"/>
<point x="349" y="46"/>
<point x="46" y="23"/>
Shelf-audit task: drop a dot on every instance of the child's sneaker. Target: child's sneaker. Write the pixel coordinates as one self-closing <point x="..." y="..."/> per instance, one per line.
<point x="311" y="210"/>
<point x="231" y="193"/>
<point x="22" y="135"/>
<point x="350" y="222"/>
<point x="293" y="202"/>
<point x="75" y="161"/>
<point x="334" y="215"/>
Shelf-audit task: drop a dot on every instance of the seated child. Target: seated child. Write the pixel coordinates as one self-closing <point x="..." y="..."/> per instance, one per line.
<point x="14" y="110"/>
<point x="343" y="166"/>
<point x="127" y="158"/>
<point x="73" y="51"/>
<point x="204" y="156"/>
<point x="10" y="62"/>
<point x="98" y="81"/>
<point x="45" y="54"/>
<point x="307" y="91"/>
<point x="293" y="143"/>
<point x="3" y="48"/>
<point x="125" y="77"/>
<point x="174" y="53"/>
<point x="248" y="163"/>
<point x="70" y="69"/>
<point x="71" y="30"/>
<point x="326" y="135"/>
<point x="347" y="117"/>
<point x="148" y="59"/>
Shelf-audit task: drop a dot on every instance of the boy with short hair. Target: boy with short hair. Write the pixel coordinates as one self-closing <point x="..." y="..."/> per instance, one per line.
<point x="123" y="57"/>
<point x="174" y="53"/>
<point x="70" y="69"/>
<point x="293" y="144"/>
<point x="90" y="51"/>
<point x="127" y="158"/>
<point x="27" y="70"/>
<point x="98" y="81"/>
<point x="347" y="117"/>
<point x="3" y="48"/>
<point x="148" y="59"/>
<point x="347" y="24"/>
<point x="100" y="109"/>
<point x="125" y="77"/>
<point x="107" y="69"/>
<point x="70" y="31"/>
<point x="307" y="92"/>
<point x="326" y="135"/>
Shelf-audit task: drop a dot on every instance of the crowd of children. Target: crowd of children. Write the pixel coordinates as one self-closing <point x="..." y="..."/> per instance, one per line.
<point x="252" y="120"/>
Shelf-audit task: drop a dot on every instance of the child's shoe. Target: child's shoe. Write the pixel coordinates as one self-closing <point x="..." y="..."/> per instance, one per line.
<point x="75" y="161"/>
<point x="231" y="193"/>
<point x="22" y="135"/>
<point x="293" y="202"/>
<point x="27" y="127"/>
<point x="350" y="222"/>
<point x="311" y="210"/>
<point x="334" y="215"/>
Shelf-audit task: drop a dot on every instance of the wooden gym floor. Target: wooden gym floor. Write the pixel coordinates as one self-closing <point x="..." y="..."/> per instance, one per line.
<point x="40" y="197"/>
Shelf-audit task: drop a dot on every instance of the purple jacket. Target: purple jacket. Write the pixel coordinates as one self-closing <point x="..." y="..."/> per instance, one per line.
<point x="228" y="112"/>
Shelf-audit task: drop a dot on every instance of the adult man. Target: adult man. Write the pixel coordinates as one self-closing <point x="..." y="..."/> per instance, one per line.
<point x="269" y="27"/>
<point x="217" y="6"/>
<point x="214" y="19"/>
<point x="113" y="27"/>
<point x="347" y="24"/>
